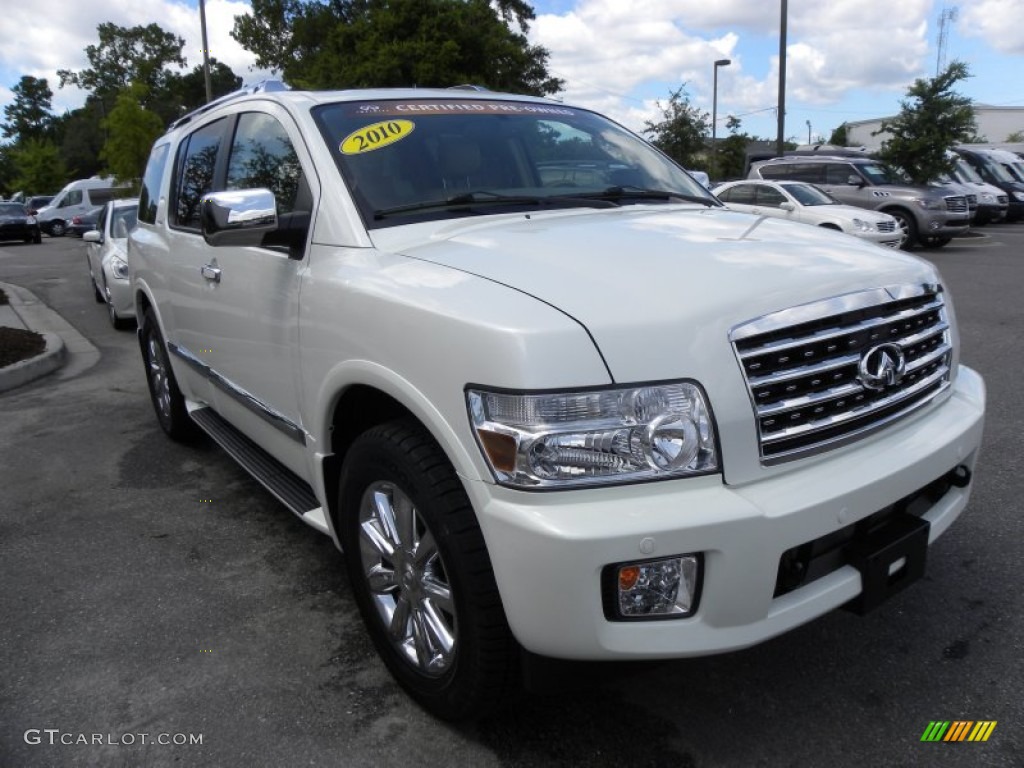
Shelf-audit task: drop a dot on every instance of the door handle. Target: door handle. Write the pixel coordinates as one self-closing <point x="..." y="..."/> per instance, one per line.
<point x="210" y="272"/>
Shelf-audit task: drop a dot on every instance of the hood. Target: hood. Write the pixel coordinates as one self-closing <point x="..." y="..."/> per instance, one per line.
<point x="653" y="285"/>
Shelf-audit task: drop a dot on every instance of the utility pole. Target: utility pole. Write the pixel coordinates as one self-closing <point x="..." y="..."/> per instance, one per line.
<point x="946" y="18"/>
<point x="206" y="51"/>
<point x="780" y="144"/>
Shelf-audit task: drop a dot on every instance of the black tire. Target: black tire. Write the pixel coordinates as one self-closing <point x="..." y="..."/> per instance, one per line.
<point x="907" y="225"/>
<point x="167" y="400"/>
<point x="57" y="228"/>
<point x="935" y="241"/>
<point x="431" y="568"/>
<point x="37" y="238"/>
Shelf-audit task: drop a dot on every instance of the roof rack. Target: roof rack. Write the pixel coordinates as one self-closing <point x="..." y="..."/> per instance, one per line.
<point x="263" y="86"/>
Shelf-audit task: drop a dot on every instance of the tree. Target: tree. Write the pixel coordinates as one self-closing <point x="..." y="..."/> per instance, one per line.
<point x="932" y="119"/>
<point x="127" y="55"/>
<point x="80" y="136"/>
<point x="681" y="132"/>
<point x="131" y="129"/>
<point x="840" y="136"/>
<point x="189" y="90"/>
<point x="731" y="153"/>
<point x="379" y="43"/>
<point x="28" y="115"/>
<point x="38" y="167"/>
<point x="1016" y="137"/>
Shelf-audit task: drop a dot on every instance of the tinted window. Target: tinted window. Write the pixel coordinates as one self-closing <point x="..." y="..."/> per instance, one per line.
<point x="197" y="164"/>
<point x="741" y="193"/>
<point x="74" y="197"/>
<point x="262" y="155"/>
<point x="839" y="174"/>
<point x="150" y="194"/>
<point x="769" y="197"/>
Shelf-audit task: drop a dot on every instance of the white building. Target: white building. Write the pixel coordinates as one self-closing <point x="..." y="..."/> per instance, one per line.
<point x="995" y="124"/>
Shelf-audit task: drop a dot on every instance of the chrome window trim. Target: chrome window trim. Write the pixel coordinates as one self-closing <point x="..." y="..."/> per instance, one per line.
<point x="276" y="419"/>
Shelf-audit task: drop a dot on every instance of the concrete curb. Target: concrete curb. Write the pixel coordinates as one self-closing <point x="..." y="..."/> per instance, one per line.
<point x="52" y="358"/>
<point x="66" y="348"/>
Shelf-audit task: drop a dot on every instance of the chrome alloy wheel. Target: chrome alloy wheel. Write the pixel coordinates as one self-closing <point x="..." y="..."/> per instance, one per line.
<point x="158" y="376"/>
<point x="407" y="579"/>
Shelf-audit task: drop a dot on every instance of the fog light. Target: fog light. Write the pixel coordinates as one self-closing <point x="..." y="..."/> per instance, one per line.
<point x="665" y="588"/>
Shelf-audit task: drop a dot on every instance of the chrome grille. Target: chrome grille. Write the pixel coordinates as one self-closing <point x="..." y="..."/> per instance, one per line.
<point x="886" y="226"/>
<point x="956" y="204"/>
<point x="805" y="366"/>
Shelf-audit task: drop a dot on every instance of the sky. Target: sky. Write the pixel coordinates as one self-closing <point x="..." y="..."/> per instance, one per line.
<point x="846" y="61"/>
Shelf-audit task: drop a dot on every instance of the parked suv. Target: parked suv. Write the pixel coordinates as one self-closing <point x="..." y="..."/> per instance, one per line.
<point x="591" y="414"/>
<point x="928" y="216"/>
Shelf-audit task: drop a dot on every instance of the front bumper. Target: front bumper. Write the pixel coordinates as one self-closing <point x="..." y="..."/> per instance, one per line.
<point x="549" y="549"/>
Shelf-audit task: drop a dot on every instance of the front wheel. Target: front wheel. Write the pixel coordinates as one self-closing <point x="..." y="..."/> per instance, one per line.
<point x="163" y="387"/>
<point x="935" y="241"/>
<point x="57" y="228"/>
<point x="421" y="575"/>
<point x="907" y="226"/>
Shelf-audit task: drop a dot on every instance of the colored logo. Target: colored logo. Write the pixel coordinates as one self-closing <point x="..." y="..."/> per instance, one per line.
<point x="958" y="730"/>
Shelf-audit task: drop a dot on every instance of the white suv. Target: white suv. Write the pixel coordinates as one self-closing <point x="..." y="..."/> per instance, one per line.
<point x="539" y="385"/>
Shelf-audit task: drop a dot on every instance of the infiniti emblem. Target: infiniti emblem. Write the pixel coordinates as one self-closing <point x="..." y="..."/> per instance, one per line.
<point x="882" y="366"/>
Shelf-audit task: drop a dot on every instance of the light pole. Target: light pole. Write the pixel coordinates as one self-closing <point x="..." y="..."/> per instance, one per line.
<point x="714" y="115"/>
<point x="808" y="131"/>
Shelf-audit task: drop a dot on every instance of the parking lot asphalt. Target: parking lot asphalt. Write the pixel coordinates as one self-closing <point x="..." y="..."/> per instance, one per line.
<point x="153" y="592"/>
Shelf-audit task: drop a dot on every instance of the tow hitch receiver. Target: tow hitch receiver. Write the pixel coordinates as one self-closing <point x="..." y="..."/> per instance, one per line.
<point x="889" y="558"/>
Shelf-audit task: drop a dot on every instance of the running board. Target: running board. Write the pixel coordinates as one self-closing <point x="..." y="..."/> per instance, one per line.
<point x="287" y="487"/>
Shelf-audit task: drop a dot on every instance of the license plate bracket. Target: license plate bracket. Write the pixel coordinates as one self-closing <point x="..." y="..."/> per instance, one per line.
<point x="889" y="557"/>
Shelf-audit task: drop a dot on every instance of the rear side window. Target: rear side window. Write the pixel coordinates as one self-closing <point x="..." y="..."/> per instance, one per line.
<point x="196" y="166"/>
<point x="149" y="195"/>
<point x="779" y="171"/>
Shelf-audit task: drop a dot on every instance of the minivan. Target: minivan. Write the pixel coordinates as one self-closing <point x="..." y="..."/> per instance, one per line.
<point x="998" y="167"/>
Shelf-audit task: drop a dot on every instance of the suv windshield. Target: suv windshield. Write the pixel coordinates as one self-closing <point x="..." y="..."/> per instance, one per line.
<point x="428" y="159"/>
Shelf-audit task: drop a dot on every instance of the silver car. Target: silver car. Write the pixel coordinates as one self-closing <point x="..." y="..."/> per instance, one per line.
<point x="107" y="256"/>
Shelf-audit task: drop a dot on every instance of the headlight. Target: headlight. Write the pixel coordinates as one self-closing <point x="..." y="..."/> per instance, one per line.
<point x="863" y="226"/>
<point x="931" y="205"/>
<point x="119" y="268"/>
<point x="988" y="197"/>
<point x="592" y="437"/>
<point x="1019" y="196"/>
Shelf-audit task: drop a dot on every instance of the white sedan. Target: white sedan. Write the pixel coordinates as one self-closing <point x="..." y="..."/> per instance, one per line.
<point x="106" y="252"/>
<point x="806" y="203"/>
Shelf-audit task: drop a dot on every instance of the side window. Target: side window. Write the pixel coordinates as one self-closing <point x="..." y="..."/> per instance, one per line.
<point x="101" y="220"/>
<point x="769" y="197"/>
<point x="74" y="197"/>
<point x="149" y="195"/>
<point x="779" y="171"/>
<point x="810" y="172"/>
<point x="742" y="194"/>
<point x="262" y="155"/>
<point x="839" y="174"/>
<point x="196" y="168"/>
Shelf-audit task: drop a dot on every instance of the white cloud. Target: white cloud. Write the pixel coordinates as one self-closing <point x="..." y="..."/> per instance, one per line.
<point x="999" y="22"/>
<point x="57" y="38"/>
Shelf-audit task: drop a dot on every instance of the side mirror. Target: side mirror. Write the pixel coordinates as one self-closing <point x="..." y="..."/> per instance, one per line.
<point x="854" y="180"/>
<point x="93" y="236"/>
<point x="787" y="206"/>
<point x="238" y="217"/>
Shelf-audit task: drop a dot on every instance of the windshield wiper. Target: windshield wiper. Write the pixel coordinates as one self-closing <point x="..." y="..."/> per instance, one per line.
<point x="639" y="193"/>
<point x="483" y="197"/>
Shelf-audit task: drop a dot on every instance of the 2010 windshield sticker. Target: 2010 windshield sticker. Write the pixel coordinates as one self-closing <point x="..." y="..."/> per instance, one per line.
<point x="375" y="136"/>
